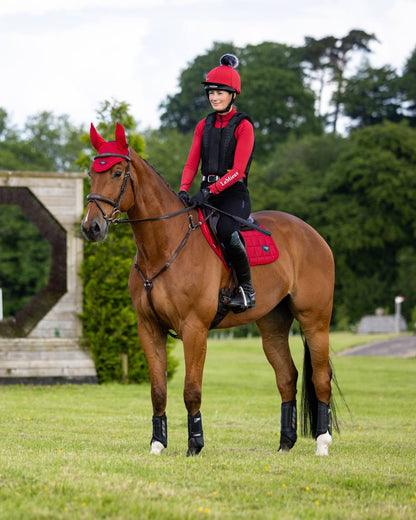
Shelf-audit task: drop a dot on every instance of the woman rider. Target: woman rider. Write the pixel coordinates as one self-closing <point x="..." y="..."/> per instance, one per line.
<point x="224" y="142"/>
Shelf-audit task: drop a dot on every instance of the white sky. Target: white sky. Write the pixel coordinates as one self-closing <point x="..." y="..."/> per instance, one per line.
<point x="69" y="56"/>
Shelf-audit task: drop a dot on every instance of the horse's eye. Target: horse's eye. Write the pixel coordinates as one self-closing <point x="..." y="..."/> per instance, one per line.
<point x="118" y="174"/>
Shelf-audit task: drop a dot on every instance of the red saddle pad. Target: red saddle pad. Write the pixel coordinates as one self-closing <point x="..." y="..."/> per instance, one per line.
<point x="261" y="249"/>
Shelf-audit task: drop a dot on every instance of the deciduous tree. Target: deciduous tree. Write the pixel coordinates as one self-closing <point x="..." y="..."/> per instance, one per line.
<point x="372" y="96"/>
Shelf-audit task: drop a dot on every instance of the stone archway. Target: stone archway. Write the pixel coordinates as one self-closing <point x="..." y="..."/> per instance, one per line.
<point x="44" y="334"/>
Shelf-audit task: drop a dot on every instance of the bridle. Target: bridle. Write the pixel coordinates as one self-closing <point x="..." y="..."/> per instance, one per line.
<point x="97" y="198"/>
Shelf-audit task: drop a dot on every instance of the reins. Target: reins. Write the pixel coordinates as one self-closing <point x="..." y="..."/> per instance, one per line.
<point x="150" y="219"/>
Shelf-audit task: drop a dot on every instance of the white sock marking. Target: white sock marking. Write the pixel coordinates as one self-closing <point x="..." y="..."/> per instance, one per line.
<point x="323" y="442"/>
<point x="157" y="448"/>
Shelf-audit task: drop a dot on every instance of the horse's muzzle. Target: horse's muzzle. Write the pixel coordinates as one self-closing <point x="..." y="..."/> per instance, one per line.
<point x="94" y="230"/>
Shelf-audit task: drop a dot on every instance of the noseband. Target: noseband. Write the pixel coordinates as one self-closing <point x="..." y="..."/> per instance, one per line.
<point x="97" y="198"/>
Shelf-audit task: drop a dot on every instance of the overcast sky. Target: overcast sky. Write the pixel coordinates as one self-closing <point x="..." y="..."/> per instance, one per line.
<point x="69" y="56"/>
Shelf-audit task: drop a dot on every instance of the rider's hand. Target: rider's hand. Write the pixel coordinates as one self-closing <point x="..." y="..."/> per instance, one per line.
<point x="183" y="195"/>
<point x="201" y="197"/>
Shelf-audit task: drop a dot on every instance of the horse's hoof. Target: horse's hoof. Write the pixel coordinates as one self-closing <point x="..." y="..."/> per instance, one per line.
<point x="156" y="448"/>
<point x="287" y="442"/>
<point x="193" y="448"/>
<point x="323" y="442"/>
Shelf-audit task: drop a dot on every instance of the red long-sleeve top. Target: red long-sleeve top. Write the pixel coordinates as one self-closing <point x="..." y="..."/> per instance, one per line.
<point x="244" y="134"/>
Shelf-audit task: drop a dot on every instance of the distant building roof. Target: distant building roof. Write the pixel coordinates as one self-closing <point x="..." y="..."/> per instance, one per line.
<point x="380" y="324"/>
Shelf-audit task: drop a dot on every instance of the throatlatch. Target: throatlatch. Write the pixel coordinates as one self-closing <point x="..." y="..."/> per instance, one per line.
<point x="288" y="426"/>
<point x="323" y="423"/>
<point x="195" y="434"/>
<point x="160" y="429"/>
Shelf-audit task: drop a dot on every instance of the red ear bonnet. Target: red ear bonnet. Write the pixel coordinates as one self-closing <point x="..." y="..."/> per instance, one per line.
<point x="119" y="146"/>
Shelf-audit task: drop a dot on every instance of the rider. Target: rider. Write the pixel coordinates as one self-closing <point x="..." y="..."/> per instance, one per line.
<point x="224" y="142"/>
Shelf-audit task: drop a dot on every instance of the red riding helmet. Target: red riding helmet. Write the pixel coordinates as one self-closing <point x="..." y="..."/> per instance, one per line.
<point x="224" y="77"/>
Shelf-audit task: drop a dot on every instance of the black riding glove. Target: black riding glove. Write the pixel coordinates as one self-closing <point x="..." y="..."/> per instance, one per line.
<point x="183" y="195"/>
<point x="201" y="197"/>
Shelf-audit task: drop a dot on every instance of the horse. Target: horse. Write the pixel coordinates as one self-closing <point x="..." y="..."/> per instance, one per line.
<point x="175" y="281"/>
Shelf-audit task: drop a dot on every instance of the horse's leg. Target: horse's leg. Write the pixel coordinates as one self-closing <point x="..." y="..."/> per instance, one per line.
<point x="153" y="341"/>
<point x="195" y="348"/>
<point x="316" y="332"/>
<point x="274" y="329"/>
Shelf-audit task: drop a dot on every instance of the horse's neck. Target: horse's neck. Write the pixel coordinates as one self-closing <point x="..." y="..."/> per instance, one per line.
<point x="153" y="195"/>
<point x="154" y="198"/>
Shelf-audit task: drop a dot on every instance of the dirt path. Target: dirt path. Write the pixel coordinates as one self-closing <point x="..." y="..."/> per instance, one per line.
<point x="404" y="347"/>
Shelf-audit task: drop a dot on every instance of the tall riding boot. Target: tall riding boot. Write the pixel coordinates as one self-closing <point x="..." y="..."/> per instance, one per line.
<point x="245" y="299"/>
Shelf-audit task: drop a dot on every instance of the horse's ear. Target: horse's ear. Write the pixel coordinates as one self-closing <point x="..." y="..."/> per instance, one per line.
<point x="96" y="139"/>
<point x="121" y="136"/>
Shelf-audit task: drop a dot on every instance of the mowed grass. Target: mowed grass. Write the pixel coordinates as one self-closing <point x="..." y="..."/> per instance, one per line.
<point x="83" y="451"/>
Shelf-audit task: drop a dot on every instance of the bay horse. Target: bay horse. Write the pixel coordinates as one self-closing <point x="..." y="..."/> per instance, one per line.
<point x="175" y="282"/>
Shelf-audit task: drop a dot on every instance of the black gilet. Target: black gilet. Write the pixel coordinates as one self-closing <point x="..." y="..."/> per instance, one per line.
<point x="218" y="146"/>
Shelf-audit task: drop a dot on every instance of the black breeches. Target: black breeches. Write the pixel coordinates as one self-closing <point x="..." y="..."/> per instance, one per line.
<point x="236" y="201"/>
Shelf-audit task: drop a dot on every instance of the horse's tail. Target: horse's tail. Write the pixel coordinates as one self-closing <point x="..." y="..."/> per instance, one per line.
<point x="309" y="404"/>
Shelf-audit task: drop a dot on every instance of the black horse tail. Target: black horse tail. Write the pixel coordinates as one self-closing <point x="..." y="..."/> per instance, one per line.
<point x="309" y="404"/>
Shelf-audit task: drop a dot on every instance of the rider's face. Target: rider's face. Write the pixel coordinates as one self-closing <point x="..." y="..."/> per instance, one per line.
<point x="219" y="99"/>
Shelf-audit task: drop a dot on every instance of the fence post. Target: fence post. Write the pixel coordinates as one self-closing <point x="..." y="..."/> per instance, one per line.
<point x="398" y="304"/>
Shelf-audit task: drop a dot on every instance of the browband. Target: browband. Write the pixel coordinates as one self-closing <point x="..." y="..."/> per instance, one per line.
<point x="127" y="157"/>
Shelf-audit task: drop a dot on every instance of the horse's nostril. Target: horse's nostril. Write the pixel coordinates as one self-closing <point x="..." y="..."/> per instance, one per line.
<point x="95" y="228"/>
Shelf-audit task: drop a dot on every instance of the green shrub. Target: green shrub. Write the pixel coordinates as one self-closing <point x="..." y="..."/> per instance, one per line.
<point x="109" y="319"/>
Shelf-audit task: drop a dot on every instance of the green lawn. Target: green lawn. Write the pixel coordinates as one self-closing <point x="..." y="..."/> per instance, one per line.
<point x="83" y="451"/>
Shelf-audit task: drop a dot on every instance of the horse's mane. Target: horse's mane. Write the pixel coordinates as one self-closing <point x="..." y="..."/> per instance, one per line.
<point x="156" y="172"/>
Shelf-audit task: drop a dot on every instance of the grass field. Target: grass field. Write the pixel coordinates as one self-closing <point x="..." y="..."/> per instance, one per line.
<point x="82" y="452"/>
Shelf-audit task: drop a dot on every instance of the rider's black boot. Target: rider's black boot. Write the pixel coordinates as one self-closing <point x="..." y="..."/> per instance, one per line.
<point x="245" y="298"/>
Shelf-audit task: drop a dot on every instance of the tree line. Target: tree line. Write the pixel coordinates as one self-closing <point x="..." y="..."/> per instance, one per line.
<point x="345" y="165"/>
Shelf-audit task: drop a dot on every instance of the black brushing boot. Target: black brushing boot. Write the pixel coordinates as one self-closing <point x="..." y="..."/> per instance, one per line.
<point x="246" y="297"/>
<point x="288" y="434"/>
<point x="160" y="434"/>
<point x="195" y="434"/>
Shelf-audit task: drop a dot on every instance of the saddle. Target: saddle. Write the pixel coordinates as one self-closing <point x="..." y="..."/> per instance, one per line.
<point x="261" y="249"/>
